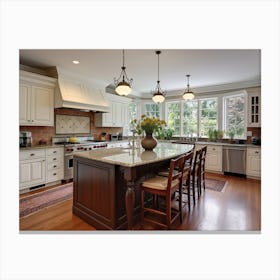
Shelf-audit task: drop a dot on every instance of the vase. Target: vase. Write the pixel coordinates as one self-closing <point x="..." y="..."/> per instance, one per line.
<point x="149" y="142"/>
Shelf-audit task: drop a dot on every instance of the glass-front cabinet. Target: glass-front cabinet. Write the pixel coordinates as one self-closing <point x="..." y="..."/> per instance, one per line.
<point x="254" y="110"/>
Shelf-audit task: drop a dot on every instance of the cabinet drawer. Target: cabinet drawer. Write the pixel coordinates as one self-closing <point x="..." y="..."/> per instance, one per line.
<point x="214" y="149"/>
<point x="54" y="175"/>
<point x="253" y="151"/>
<point x="54" y="159"/>
<point x="55" y="165"/>
<point x="54" y="152"/>
<point x="30" y="154"/>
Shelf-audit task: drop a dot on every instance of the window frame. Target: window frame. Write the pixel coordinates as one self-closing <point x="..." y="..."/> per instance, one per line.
<point x="166" y="115"/>
<point x="143" y="108"/>
<point x="235" y="94"/>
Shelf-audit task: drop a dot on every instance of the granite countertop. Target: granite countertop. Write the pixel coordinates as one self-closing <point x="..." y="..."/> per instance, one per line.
<point x="225" y="144"/>
<point x="41" y="147"/>
<point x="134" y="157"/>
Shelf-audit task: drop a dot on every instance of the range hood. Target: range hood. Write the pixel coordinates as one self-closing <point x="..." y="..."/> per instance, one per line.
<point x="76" y="92"/>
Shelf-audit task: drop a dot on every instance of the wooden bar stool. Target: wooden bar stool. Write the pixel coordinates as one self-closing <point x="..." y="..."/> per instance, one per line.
<point x="186" y="176"/>
<point x="196" y="175"/>
<point x="165" y="187"/>
<point x="202" y="167"/>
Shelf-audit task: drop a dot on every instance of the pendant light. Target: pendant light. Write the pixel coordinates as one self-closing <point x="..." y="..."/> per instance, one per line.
<point x="158" y="96"/>
<point x="188" y="94"/>
<point x="123" y="84"/>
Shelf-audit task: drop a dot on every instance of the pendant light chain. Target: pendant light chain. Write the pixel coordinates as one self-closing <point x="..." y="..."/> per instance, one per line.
<point x="158" y="96"/>
<point x="158" y="67"/>
<point x="123" y="83"/>
<point x="188" y="94"/>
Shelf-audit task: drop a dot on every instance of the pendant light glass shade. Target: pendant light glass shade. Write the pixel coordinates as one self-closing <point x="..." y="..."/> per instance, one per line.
<point x="158" y="96"/>
<point x="123" y="84"/>
<point x="188" y="94"/>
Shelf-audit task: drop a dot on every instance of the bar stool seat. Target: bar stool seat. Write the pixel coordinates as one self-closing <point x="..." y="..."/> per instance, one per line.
<point x="159" y="183"/>
<point x="163" y="215"/>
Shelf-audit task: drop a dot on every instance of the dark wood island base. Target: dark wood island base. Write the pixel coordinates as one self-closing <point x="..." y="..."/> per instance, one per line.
<point x="104" y="192"/>
<point x="107" y="183"/>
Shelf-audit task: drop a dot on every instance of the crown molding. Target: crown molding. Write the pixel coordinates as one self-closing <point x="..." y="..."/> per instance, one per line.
<point x="211" y="89"/>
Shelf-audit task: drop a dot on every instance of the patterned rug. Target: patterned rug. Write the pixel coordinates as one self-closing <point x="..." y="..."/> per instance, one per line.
<point x="38" y="201"/>
<point x="215" y="185"/>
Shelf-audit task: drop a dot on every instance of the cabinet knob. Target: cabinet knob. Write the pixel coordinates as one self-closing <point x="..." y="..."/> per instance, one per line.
<point x="54" y="166"/>
<point x="256" y="152"/>
<point x="54" y="158"/>
<point x="32" y="155"/>
<point x="54" y="173"/>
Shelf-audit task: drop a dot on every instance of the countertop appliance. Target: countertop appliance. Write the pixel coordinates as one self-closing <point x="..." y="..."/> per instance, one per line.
<point x="114" y="137"/>
<point x="25" y="139"/>
<point x="71" y="148"/>
<point x="234" y="159"/>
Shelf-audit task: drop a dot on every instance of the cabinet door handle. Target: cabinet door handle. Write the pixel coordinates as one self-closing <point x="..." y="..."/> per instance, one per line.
<point x="54" y="158"/>
<point x="256" y="152"/>
<point x="32" y="155"/>
<point x="54" y="152"/>
<point x="54" y="166"/>
<point x="54" y="173"/>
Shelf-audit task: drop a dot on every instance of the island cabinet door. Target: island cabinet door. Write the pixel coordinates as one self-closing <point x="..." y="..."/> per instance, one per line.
<point x="94" y="192"/>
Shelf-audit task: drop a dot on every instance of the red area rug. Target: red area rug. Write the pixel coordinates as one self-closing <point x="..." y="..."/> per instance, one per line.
<point x="215" y="185"/>
<point x="38" y="201"/>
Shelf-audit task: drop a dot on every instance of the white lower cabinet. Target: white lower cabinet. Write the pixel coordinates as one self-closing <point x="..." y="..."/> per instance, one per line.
<point x="253" y="165"/>
<point x="214" y="157"/>
<point x="40" y="167"/>
<point x="32" y="172"/>
<point x="55" y="165"/>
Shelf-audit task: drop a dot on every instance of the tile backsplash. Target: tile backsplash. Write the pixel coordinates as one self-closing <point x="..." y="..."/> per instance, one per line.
<point x="47" y="132"/>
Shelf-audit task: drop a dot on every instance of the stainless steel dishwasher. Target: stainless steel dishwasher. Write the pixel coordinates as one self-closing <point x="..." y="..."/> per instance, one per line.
<point x="234" y="159"/>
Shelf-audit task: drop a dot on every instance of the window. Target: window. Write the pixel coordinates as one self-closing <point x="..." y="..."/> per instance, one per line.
<point x="132" y="114"/>
<point x="235" y="115"/>
<point x="173" y="116"/>
<point x="152" y="110"/>
<point x="208" y="116"/>
<point x="132" y="111"/>
<point x="190" y="117"/>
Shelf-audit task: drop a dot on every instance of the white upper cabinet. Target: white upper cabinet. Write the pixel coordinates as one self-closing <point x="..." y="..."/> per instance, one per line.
<point x="254" y="109"/>
<point x="117" y="115"/>
<point x="36" y="99"/>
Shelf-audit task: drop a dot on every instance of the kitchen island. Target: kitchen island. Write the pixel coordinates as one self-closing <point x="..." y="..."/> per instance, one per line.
<point x="107" y="182"/>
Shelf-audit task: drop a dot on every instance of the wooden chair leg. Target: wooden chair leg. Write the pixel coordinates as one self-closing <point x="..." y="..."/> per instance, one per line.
<point x="168" y="211"/>
<point x="204" y="181"/>
<point x="193" y="190"/>
<point x="189" y="195"/>
<point x="180" y="205"/>
<point x="142" y="208"/>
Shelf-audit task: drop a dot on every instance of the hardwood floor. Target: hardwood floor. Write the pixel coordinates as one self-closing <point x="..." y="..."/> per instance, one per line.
<point x="237" y="208"/>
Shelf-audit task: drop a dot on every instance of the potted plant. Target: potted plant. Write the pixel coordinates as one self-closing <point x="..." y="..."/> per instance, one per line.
<point x="231" y="134"/>
<point x="210" y="134"/>
<point x="150" y="125"/>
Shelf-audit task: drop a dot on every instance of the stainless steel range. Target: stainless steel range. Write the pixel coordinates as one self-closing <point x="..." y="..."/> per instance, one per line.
<point x="71" y="148"/>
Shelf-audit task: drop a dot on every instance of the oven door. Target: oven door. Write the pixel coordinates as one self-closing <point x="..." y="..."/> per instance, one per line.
<point x="68" y="167"/>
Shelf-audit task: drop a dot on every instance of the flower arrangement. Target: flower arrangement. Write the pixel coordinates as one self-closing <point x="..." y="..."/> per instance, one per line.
<point x="147" y="124"/>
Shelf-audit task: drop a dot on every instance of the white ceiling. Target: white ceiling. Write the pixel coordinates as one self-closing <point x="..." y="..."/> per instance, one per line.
<point x="206" y="67"/>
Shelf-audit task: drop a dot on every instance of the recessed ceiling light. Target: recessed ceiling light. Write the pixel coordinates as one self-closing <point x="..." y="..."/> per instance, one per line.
<point x="76" y="61"/>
